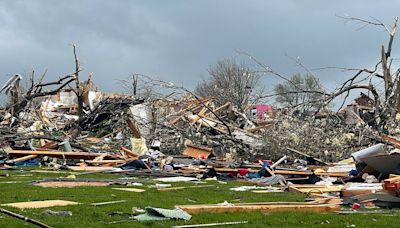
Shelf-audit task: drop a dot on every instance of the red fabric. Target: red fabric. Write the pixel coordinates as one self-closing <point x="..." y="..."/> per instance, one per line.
<point x="233" y="174"/>
<point x="355" y="206"/>
<point x="243" y="172"/>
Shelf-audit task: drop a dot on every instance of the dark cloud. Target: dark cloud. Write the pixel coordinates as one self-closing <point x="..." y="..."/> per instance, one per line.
<point x="177" y="40"/>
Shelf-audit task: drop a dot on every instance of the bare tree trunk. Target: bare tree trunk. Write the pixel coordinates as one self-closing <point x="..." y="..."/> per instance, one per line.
<point x="134" y="84"/>
<point x="397" y="93"/>
<point x="15" y="100"/>
<point x="153" y="121"/>
<point x="386" y="73"/>
<point x="80" y="106"/>
<point x="78" y="89"/>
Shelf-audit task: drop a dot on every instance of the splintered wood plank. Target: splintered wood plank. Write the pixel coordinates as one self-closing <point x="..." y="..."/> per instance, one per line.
<point x="114" y="162"/>
<point x="314" y="188"/>
<point x="40" y="204"/>
<point x="59" y="154"/>
<point x="337" y="201"/>
<point x="202" y="112"/>
<point x="215" y="208"/>
<point x="197" y="152"/>
<point x="134" y="128"/>
<point x="71" y="184"/>
<point x="289" y="172"/>
<point x="90" y="168"/>
<point x="49" y="145"/>
<point x="24" y="158"/>
<point x="130" y="189"/>
<point x="186" y="187"/>
<point x="392" y="180"/>
<point x="333" y="174"/>
<point x="392" y="140"/>
<point x="221" y="107"/>
<point x="354" y="189"/>
<point x="267" y="191"/>
<point x="108" y="202"/>
<point x="130" y="153"/>
<point x="277" y="171"/>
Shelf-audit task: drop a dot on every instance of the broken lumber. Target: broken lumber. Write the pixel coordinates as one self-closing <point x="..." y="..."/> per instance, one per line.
<point x="130" y="189"/>
<point x="392" y="180"/>
<point x="107" y="203"/>
<point x="130" y="153"/>
<point x="104" y="162"/>
<point x="24" y="158"/>
<point x="211" y="224"/>
<point x="312" y="188"/>
<point x="263" y="207"/>
<point x="354" y="189"/>
<point x="134" y="129"/>
<point x="391" y="140"/>
<point x="278" y="171"/>
<point x="58" y="154"/>
<point x="179" y="188"/>
<point x="40" y="204"/>
<point x="90" y="168"/>
<point x="197" y="151"/>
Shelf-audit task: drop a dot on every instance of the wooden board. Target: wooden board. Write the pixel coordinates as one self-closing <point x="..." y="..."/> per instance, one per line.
<point x="392" y="180"/>
<point x="130" y="189"/>
<point x="102" y="162"/>
<point x="108" y="202"/>
<point x="24" y="158"/>
<point x="307" y="188"/>
<point x="89" y="168"/>
<point x="267" y="191"/>
<point x="134" y="128"/>
<point x="333" y="174"/>
<point x="185" y="187"/>
<point x="391" y="140"/>
<point x="264" y="207"/>
<point x="354" y="189"/>
<point x="130" y="153"/>
<point x="277" y="171"/>
<point x="197" y="152"/>
<point x="337" y="201"/>
<point x="55" y="153"/>
<point x="70" y="184"/>
<point x="40" y="204"/>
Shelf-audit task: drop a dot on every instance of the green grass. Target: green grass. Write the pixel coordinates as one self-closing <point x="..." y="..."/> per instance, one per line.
<point x="85" y="215"/>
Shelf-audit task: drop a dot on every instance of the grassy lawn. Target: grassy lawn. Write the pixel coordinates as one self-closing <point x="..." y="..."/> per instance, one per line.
<point x="85" y="215"/>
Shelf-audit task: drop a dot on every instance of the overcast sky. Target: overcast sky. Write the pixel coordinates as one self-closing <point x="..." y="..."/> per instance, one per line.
<point x="177" y="40"/>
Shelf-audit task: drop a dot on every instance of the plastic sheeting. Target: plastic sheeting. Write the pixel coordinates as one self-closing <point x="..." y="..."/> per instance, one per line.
<point x="162" y="214"/>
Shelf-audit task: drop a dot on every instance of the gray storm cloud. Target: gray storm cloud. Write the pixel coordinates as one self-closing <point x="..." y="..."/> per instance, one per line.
<point x="178" y="40"/>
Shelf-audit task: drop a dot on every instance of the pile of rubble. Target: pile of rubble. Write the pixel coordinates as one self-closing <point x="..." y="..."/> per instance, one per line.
<point x="114" y="121"/>
<point x="192" y="137"/>
<point x="330" y="138"/>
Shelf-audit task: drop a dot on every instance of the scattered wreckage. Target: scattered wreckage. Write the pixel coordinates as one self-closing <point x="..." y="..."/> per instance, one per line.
<point x="336" y="158"/>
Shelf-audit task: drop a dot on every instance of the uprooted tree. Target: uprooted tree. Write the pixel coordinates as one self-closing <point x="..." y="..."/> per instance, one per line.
<point x="230" y="82"/>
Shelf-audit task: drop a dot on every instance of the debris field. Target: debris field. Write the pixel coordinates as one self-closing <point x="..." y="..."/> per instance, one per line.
<point x="71" y="133"/>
